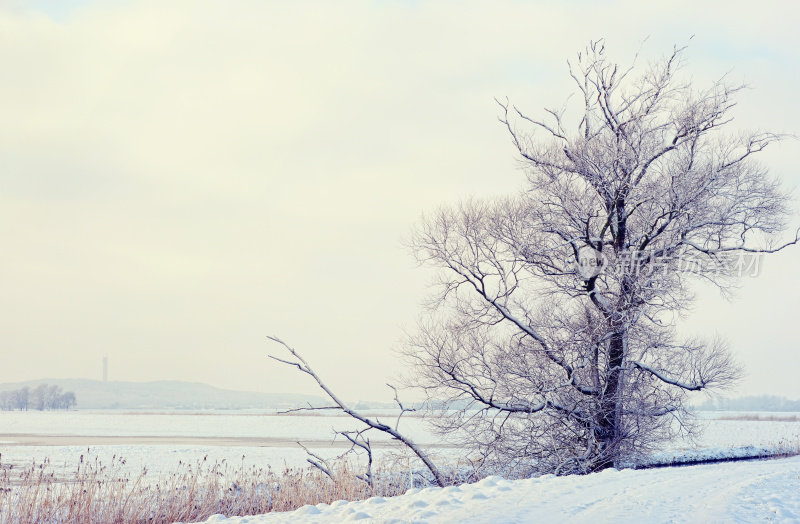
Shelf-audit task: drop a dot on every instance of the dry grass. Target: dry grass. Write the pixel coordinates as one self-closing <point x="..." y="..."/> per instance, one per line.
<point x="102" y="493"/>
<point x="761" y="418"/>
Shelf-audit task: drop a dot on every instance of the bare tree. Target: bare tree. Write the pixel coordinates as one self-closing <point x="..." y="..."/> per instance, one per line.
<point x="552" y="329"/>
<point x="42" y="397"/>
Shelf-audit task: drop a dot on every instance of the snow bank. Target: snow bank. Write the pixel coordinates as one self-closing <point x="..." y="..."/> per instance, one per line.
<point x="758" y="491"/>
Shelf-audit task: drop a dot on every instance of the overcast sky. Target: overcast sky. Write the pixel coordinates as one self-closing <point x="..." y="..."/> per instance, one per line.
<point x="179" y="179"/>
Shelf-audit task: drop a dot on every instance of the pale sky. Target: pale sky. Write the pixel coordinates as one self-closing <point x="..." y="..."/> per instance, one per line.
<point x="179" y="179"/>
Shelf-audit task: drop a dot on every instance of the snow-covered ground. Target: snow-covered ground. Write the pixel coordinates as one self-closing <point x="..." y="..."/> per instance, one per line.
<point x="215" y="423"/>
<point x="160" y="441"/>
<point x="760" y="491"/>
<point x="735" y="435"/>
<point x="755" y="491"/>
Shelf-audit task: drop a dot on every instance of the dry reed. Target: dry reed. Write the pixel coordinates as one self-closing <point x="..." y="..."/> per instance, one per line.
<point x="104" y="493"/>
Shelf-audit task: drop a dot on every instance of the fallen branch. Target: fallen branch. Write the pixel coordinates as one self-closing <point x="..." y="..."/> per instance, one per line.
<point x="303" y="366"/>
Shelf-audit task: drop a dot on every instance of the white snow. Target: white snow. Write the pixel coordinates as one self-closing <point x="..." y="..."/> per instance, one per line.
<point x="755" y="491"/>
<point x="216" y="424"/>
<point x="263" y="440"/>
<point x="762" y="491"/>
<point x="721" y="438"/>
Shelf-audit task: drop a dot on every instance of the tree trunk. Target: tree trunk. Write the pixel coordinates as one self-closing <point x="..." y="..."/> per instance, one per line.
<point x="609" y="427"/>
<point x="609" y="430"/>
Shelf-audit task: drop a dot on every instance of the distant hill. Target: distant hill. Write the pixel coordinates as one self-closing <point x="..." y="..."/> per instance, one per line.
<point x="166" y="394"/>
<point x="752" y="403"/>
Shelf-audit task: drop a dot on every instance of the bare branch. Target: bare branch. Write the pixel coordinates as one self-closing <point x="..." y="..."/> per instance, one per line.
<point x="303" y="366"/>
<point x="318" y="462"/>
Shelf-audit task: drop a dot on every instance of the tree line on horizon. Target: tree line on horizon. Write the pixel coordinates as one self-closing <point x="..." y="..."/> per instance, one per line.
<point x="42" y="397"/>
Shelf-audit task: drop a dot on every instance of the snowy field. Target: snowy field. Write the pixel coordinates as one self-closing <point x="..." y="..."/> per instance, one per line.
<point x="217" y="424"/>
<point x="755" y="491"/>
<point x="160" y="440"/>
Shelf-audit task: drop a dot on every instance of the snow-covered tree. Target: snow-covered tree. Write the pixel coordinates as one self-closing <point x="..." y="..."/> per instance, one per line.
<point x="553" y="322"/>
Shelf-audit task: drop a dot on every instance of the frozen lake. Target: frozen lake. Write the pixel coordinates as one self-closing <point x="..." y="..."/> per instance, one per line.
<point x="249" y="427"/>
<point x="160" y="440"/>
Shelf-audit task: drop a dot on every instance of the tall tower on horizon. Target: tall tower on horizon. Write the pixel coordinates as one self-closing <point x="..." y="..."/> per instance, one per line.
<point x="105" y="368"/>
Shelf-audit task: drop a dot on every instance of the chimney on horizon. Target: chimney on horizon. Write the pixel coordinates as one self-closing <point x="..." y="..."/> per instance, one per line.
<point x="105" y="368"/>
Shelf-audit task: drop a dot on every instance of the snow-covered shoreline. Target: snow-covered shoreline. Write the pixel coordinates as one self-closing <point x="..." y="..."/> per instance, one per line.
<point x="492" y="500"/>
<point x="271" y="440"/>
<point x="760" y="491"/>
